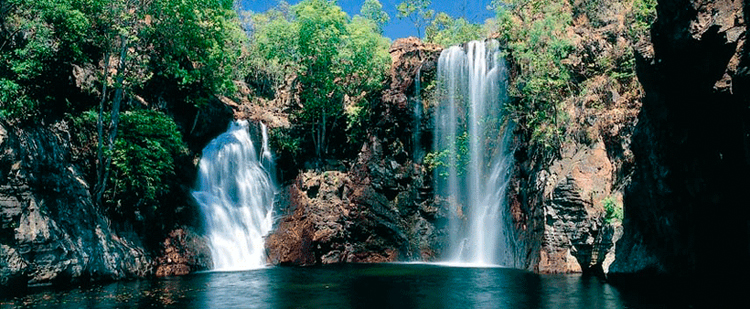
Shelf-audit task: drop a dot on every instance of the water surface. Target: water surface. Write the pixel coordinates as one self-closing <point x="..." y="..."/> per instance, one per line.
<point x="345" y="286"/>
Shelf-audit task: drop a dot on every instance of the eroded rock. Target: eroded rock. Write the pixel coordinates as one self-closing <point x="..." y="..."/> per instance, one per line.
<point x="183" y="252"/>
<point x="50" y="231"/>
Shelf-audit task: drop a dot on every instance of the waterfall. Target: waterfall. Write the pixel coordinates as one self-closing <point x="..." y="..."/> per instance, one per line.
<point x="417" y="151"/>
<point x="235" y="192"/>
<point x="471" y="141"/>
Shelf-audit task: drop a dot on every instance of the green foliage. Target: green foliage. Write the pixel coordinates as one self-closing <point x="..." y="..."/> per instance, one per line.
<point x="364" y="58"/>
<point x="612" y="210"/>
<point x="14" y="103"/>
<point x="373" y="10"/>
<point x="642" y="16"/>
<point x="535" y="33"/>
<point x="197" y="42"/>
<point x="287" y="147"/>
<point x="284" y="143"/>
<point x="37" y="38"/>
<point x="272" y="53"/>
<point x="143" y="161"/>
<point x="442" y="161"/>
<point x="446" y="31"/>
<point x="356" y="120"/>
<point x="435" y="160"/>
<point x="417" y="12"/>
<point x="337" y="62"/>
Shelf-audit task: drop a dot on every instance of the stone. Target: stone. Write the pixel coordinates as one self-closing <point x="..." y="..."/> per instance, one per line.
<point x="183" y="252"/>
<point x="50" y="231"/>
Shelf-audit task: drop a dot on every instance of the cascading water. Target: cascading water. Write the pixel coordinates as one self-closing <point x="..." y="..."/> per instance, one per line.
<point x="417" y="150"/>
<point x="235" y="192"/>
<point x="472" y="138"/>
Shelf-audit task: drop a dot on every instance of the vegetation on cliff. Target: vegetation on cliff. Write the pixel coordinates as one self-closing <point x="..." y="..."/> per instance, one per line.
<point x="337" y="64"/>
<point x="575" y="55"/>
<point x="130" y="76"/>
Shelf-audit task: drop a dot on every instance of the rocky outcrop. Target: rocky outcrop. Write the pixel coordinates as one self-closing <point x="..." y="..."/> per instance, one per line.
<point x="566" y="231"/>
<point x="558" y="197"/>
<point x="378" y="210"/>
<point x="685" y="209"/>
<point x="50" y="231"/>
<point x="183" y="252"/>
<point x="328" y="225"/>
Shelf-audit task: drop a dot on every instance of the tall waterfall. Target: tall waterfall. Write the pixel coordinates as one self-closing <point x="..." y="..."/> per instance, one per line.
<point x="235" y="192"/>
<point x="472" y="139"/>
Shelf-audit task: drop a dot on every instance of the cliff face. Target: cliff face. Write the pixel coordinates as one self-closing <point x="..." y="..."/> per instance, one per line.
<point x="559" y="214"/>
<point x="558" y="201"/>
<point x="50" y="230"/>
<point x="380" y="208"/>
<point x="686" y="211"/>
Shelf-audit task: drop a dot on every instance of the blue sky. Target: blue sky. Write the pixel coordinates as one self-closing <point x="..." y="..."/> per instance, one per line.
<point x="474" y="10"/>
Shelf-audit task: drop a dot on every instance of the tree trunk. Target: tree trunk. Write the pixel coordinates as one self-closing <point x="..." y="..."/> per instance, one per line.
<point x="114" y="117"/>
<point x="323" y="146"/>
<point x="99" y="187"/>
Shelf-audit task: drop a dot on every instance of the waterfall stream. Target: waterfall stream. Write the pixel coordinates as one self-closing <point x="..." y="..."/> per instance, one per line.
<point x="235" y="191"/>
<point x="417" y="151"/>
<point x="471" y="140"/>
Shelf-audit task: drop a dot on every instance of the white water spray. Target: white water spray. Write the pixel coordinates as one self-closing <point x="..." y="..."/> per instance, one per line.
<point x="235" y="192"/>
<point x="472" y="138"/>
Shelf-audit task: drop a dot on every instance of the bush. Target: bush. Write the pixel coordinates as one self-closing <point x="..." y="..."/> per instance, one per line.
<point x="143" y="161"/>
<point x="613" y="211"/>
<point x="536" y="35"/>
<point x="642" y="15"/>
<point x="333" y="57"/>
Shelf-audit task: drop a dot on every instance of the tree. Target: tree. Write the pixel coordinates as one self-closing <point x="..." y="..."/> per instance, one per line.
<point x="197" y="43"/>
<point x="536" y="34"/>
<point x="332" y="57"/>
<point x="365" y="61"/>
<point x="446" y="31"/>
<point x="322" y="26"/>
<point x="273" y="53"/>
<point x="194" y="43"/>
<point x="417" y="11"/>
<point x="38" y="41"/>
<point x="373" y="10"/>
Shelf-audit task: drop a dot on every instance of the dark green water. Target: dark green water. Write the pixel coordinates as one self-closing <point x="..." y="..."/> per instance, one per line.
<point x="348" y="286"/>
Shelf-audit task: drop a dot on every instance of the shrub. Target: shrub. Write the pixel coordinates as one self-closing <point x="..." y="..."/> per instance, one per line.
<point x="613" y="211"/>
<point x="536" y="35"/>
<point x="143" y="161"/>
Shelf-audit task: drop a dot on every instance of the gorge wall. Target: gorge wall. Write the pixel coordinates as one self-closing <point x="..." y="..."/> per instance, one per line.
<point x="675" y="162"/>
<point x="685" y="210"/>
<point x="51" y="232"/>
<point x="382" y="207"/>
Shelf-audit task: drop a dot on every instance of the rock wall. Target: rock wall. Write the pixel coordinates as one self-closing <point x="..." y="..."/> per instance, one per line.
<point x="50" y="231"/>
<point x="557" y="198"/>
<point x="183" y="251"/>
<point x="558" y="212"/>
<point x="686" y="212"/>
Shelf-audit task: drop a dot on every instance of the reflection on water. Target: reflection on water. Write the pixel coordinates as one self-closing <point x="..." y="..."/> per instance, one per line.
<point x="346" y="286"/>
